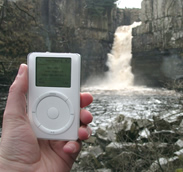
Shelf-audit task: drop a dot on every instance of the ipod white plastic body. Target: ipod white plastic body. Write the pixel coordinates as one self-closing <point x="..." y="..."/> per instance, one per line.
<point x="54" y="95"/>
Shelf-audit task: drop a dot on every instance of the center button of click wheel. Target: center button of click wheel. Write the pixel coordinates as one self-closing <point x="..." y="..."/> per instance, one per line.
<point x="53" y="113"/>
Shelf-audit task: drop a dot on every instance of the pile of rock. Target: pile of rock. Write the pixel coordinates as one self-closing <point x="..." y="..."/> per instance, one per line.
<point x="128" y="144"/>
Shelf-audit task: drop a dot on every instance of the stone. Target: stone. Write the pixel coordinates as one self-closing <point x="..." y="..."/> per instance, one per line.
<point x="122" y="161"/>
<point x="166" y="136"/>
<point x="145" y="133"/>
<point x="113" y="149"/>
<point x="161" y="124"/>
<point x="162" y="163"/>
<point x="142" y="123"/>
<point x="96" y="151"/>
<point x="116" y="148"/>
<point x="181" y="127"/>
<point x="157" y="43"/>
<point x="142" y="153"/>
<point x="90" y="162"/>
<point x="104" y="170"/>
<point x="91" y="140"/>
<point x="179" y="143"/>
<point x="84" y="154"/>
<point x="179" y="153"/>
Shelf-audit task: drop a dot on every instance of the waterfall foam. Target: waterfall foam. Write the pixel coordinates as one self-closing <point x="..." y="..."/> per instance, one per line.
<point x="119" y="75"/>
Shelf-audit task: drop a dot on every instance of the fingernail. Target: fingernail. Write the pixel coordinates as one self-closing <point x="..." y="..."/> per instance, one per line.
<point x="71" y="147"/>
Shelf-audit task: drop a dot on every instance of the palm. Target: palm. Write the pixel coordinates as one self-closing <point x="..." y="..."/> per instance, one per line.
<point x="20" y="149"/>
<point x="44" y="155"/>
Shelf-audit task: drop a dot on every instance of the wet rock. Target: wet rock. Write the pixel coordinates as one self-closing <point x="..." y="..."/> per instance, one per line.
<point x="146" y="149"/>
<point x="103" y="136"/>
<point x="90" y="162"/>
<point x="144" y="134"/>
<point x="122" y="161"/>
<point x="161" y="124"/>
<point x="96" y="151"/>
<point x="179" y="143"/>
<point x="126" y="129"/>
<point x="84" y="154"/>
<point x="179" y="153"/>
<point x="144" y="123"/>
<point x="104" y="170"/>
<point x="181" y="127"/>
<point x="162" y="164"/>
<point x="113" y="149"/>
<point x="119" y="118"/>
<point x="167" y="136"/>
<point x="127" y="136"/>
<point x="116" y="148"/>
<point x="91" y="140"/>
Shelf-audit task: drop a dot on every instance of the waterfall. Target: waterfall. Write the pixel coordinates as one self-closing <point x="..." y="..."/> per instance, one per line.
<point x="119" y="75"/>
<point x="119" y="59"/>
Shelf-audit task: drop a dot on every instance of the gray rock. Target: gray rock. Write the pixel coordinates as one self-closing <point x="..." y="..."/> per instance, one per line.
<point x="157" y="43"/>
<point x="179" y="143"/>
<point x="104" y="170"/>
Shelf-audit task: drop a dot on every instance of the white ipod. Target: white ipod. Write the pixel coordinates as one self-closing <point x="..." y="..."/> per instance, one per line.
<point x="54" y="95"/>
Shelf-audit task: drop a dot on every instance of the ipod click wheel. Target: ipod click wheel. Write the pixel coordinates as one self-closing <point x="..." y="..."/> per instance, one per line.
<point x="54" y="95"/>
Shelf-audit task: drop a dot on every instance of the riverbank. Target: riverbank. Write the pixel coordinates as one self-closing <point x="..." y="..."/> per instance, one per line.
<point x="134" y="129"/>
<point x="135" y="145"/>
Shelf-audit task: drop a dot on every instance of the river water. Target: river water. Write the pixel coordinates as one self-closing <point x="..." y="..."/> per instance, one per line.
<point x="115" y="93"/>
<point x="135" y="102"/>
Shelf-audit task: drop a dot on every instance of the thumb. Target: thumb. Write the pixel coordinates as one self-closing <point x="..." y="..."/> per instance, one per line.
<point x="16" y="102"/>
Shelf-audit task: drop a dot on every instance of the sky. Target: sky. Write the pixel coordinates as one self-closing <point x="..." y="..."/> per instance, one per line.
<point x="129" y="3"/>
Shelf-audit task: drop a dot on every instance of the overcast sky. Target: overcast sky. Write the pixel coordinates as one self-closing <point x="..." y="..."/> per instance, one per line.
<point x="129" y="3"/>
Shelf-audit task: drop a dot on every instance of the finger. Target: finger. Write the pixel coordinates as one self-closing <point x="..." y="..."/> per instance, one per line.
<point x="72" y="147"/>
<point x="85" y="117"/>
<point x="84" y="132"/>
<point x="16" y="102"/>
<point x="85" y="99"/>
<point x="68" y="151"/>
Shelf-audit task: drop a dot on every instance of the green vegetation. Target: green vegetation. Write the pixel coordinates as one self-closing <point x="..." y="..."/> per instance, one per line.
<point x="179" y="170"/>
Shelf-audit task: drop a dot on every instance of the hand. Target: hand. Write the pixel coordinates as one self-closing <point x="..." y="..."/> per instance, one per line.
<point x="20" y="150"/>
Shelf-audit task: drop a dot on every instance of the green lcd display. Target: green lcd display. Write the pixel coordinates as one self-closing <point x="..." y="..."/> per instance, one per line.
<point x="53" y="72"/>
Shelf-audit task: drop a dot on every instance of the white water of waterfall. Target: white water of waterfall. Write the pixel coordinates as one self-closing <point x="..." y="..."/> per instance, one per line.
<point x="119" y="75"/>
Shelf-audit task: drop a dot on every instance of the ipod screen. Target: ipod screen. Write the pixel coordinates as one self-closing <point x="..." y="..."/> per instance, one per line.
<point x="53" y="72"/>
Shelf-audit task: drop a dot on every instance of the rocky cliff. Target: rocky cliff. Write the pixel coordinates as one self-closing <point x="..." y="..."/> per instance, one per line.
<point x="158" y="42"/>
<point x="83" y="26"/>
<point x="74" y="27"/>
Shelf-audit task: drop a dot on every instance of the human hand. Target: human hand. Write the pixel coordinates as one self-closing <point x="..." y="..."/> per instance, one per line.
<point x="20" y="150"/>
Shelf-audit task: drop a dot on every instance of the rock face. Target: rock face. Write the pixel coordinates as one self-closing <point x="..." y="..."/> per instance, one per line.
<point x="158" y="42"/>
<point x="139" y="145"/>
<point x="61" y="26"/>
<point x="73" y="28"/>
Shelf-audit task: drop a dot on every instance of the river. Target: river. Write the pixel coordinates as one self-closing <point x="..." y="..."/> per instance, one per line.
<point x="115" y="94"/>
<point x="135" y="102"/>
